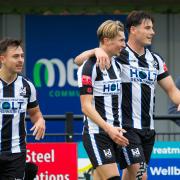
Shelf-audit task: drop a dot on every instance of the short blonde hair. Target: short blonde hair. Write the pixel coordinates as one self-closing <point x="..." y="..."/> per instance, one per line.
<point x="109" y="29"/>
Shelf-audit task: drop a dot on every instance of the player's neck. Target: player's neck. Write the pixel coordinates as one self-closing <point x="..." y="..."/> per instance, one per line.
<point x="138" y="48"/>
<point x="7" y="76"/>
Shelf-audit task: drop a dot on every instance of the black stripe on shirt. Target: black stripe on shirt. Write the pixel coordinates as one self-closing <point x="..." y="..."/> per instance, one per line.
<point x="6" y="132"/>
<point x="115" y="99"/>
<point x="99" y="105"/>
<point x="123" y="57"/>
<point x="99" y="76"/>
<point x="111" y="73"/>
<point x="127" y="104"/>
<point x="8" y="90"/>
<point x="145" y="105"/>
<point x="88" y="66"/>
<point x="115" y="109"/>
<point x="142" y="61"/>
<point x="22" y="132"/>
<point x="145" y="96"/>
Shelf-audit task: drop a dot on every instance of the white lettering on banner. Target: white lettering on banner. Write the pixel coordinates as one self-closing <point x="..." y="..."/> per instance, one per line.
<point x="170" y="170"/>
<point x="167" y="150"/>
<point x="33" y="156"/>
<point x="47" y="176"/>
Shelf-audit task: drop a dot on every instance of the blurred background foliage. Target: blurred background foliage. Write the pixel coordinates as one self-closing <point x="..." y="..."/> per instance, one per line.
<point x="73" y="7"/>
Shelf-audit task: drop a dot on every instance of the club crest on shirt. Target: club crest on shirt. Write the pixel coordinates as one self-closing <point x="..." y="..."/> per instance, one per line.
<point x="155" y="64"/>
<point x="22" y="91"/>
<point x="104" y="72"/>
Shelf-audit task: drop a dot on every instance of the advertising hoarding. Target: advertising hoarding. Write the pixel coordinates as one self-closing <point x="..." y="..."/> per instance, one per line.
<point x="56" y="161"/>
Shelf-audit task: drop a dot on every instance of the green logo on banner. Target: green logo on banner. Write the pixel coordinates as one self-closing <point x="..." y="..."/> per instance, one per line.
<point x="65" y="76"/>
<point x="49" y="74"/>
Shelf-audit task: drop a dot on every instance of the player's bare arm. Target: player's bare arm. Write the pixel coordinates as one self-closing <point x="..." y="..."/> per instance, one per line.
<point x="38" y="123"/>
<point x="170" y="88"/>
<point x="116" y="133"/>
<point x="102" y="58"/>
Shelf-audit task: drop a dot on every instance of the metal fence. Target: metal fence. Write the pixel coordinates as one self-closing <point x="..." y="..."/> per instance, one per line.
<point x="69" y="134"/>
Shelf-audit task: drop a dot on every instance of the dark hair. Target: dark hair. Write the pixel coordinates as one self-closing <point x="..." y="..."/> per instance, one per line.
<point x="135" y="18"/>
<point x="7" y="42"/>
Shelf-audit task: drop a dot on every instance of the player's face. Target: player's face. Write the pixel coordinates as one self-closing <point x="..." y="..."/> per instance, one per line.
<point x="144" y="33"/>
<point x="117" y="44"/>
<point x="13" y="59"/>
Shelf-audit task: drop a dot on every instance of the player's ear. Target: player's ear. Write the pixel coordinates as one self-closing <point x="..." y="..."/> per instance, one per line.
<point x="1" y="59"/>
<point x="106" y="41"/>
<point x="133" y="29"/>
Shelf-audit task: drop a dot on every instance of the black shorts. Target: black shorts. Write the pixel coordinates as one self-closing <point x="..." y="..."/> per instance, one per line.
<point x="12" y="166"/>
<point x="141" y="142"/>
<point x="101" y="149"/>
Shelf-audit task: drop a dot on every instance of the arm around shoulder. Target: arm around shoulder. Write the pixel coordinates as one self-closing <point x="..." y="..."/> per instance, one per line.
<point x="84" y="56"/>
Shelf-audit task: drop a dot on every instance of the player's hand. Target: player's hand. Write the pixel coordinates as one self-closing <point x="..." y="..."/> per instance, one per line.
<point x="39" y="129"/>
<point x="103" y="60"/>
<point x="116" y="134"/>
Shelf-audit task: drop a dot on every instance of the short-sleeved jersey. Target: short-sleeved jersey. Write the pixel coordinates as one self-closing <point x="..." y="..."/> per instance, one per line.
<point x="105" y="87"/>
<point x="139" y="77"/>
<point x="15" y="98"/>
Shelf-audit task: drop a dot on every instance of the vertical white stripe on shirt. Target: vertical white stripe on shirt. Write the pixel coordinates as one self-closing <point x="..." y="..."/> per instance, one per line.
<point x="16" y="119"/>
<point x="93" y="127"/>
<point x="108" y="109"/>
<point x="15" y="134"/>
<point x="136" y="105"/>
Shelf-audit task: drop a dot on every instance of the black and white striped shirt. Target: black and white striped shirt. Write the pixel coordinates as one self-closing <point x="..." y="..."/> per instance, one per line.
<point x="105" y="86"/>
<point x="139" y="77"/>
<point x="15" y="98"/>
